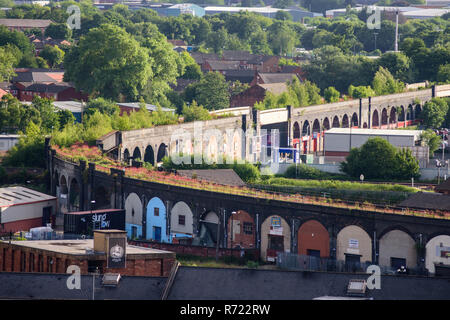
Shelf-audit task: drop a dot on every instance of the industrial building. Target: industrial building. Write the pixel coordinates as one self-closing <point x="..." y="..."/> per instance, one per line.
<point x="107" y="252"/>
<point x="22" y="209"/>
<point x="339" y="141"/>
<point x="7" y="141"/>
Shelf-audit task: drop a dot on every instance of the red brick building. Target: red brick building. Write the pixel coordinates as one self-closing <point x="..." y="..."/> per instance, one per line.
<point x="59" y="91"/>
<point x="256" y="93"/>
<point x="25" y="24"/>
<point x="241" y="230"/>
<point x="55" y="256"/>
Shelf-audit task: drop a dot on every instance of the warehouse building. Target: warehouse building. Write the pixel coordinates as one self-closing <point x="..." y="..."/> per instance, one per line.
<point x="339" y="141"/>
<point x="108" y="252"/>
<point x="22" y="209"/>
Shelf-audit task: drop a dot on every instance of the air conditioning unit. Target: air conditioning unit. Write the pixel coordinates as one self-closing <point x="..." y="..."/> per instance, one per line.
<point x="111" y="279"/>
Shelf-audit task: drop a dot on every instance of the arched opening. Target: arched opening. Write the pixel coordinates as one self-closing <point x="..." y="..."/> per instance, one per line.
<point x="393" y="115"/>
<point x="181" y="223"/>
<point x="296" y="130"/>
<point x="313" y="240"/>
<point x="336" y="122"/>
<point x="397" y="249"/>
<point x="418" y="110"/>
<point x="401" y="115"/>
<point x="384" y="117"/>
<point x="326" y="124"/>
<point x="241" y="230"/>
<point x="437" y="250"/>
<point x="306" y="128"/>
<point x="208" y="230"/>
<point x="63" y="186"/>
<point x="162" y="152"/>
<point x="345" y="123"/>
<point x="316" y="126"/>
<point x="354" y="247"/>
<point x="156" y="221"/>
<point x="275" y="237"/>
<point x="409" y="113"/>
<point x="149" y="155"/>
<point x="365" y="125"/>
<point x="375" y="119"/>
<point x="354" y="122"/>
<point x="102" y="197"/>
<point x="74" y="196"/>
<point x="137" y="154"/>
<point x="126" y="156"/>
<point x="133" y="220"/>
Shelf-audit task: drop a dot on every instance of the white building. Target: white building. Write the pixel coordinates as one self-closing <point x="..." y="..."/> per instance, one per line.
<point x="7" y="141"/>
<point x="22" y="209"/>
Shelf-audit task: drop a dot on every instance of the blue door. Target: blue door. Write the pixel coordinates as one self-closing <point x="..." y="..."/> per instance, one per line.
<point x="157" y="234"/>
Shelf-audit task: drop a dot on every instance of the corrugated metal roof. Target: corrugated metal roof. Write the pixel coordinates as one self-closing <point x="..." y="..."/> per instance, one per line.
<point x="13" y="196"/>
<point x="375" y="132"/>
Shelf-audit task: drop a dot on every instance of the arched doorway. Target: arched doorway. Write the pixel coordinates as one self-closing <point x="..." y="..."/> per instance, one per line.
<point x="241" y="230"/>
<point x="156" y="221"/>
<point x="133" y="220"/>
<point x="181" y="223"/>
<point x="354" y="247"/>
<point x="313" y="240"/>
<point x="149" y="155"/>
<point x="275" y="237"/>
<point x="397" y="249"/>
<point x="384" y="117"/>
<point x="326" y="124"/>
<point x="345" y="122"/>
<point x="162" y="152"/>
<point x="437" y="250"/>
<point x="74" y="195"/>
<point x="137" y="154"/>
<point x="336" y="122"/>
<point x="375" y="119"/>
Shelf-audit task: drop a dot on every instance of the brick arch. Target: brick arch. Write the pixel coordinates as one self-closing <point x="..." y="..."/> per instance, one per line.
<point x="126" y="155"/>
<point x="354" y="120"/>
<point x="393" y="115"/>
<point x="345" y="121"/>
<point x="397" y="244"/>
<point x="149" y="155"/>
<point x="375" y="118"/>
<point x="74" y="195"/>
<point x="326" y="124"/>
<point x="401" y="115"/>
<point x="312" y="235"/>
<point x="137" y="153"/>
<point x="316" y="126"/>
<point x="344" y="242"/>
<point x="296" y="130"/>
<point x="395" y="227"/>
<point x="336" y="123"/>
<point x="384" y="117"/>
<point x="162" y="152"/>
<point x="306" y="128"/>
<point x="241" y="230"/>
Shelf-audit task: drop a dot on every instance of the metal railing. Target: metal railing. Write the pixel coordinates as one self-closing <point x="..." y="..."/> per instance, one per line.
<point x="291" y="261"/>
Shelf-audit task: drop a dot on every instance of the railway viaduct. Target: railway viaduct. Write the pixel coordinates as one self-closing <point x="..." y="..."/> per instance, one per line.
<point x="303" y="128"/>
<point x="248" y="222"/>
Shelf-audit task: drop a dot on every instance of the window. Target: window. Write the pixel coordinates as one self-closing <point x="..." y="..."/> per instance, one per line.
<point x="248" y="228"/>
<point x="181" y="220"/>
<point x="132" y="212"/>
<point x="156" y="211"/>
<point x="31" y="262"/>
<point x="276" y="243"/>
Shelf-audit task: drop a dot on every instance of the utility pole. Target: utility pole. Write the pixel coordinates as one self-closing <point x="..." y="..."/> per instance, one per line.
<point x="396" y="32"/>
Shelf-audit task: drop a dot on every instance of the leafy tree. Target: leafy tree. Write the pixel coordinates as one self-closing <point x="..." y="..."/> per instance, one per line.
<point x="65" y="117"/>
<point x="53" y="55"/>
<point x="6" y="64"/>
<point x="398" y="65"/>
<point x="211" y="92"/>
<point x="283" y="15"/>
<point x="434" y="113"/>
<point x="110" y="62"/>
<point x="29" y="151"/>
<point x="101" y="105"/>
<point x="384" y="83"/>
<point x="378" y="159"/>
<point x="331" y="94"/>
<point x="360" y="92"/>
<point x="58" y="31"/>
<point x="49" y="118"/>
<point x="432" y="140"/>
<point x="194" y="112"/>
<point x="443" y="74"/>
<point x="281" y="38"/>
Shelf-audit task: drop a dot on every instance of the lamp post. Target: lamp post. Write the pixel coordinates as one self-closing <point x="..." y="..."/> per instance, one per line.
<point x="232" y="229"/>
<point x="92" y="205"/>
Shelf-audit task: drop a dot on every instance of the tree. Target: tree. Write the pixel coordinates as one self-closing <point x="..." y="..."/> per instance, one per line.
<point x="432" y="140"/>
<point x="109" y="62"/>
<point x="53" y="55"/>
<point x="194" y="112"/>
<point x="378" y="159"/>
<point x="58" y="31"/>
<point x="434" y="113"/>
<point x="283" y="15"/>
<point x="211" y="92"/>
<point x="65" y="117"/>
<point x="281" y="38"/>
<point x="360" y="92"/>
<point x="443" y="74"/>
<point x="49" y="118"/>
<point x="331" y="94"/>
<point x="398" y="65"/>
<point x="101" y="105"/>
<point x="6" y="64"/>
<point x="384" y="83"/>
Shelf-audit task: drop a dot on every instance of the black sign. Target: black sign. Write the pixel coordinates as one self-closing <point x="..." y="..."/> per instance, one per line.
<point x="116" y="253"/>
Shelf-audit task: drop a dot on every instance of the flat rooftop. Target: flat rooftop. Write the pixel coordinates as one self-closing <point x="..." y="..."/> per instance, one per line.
<point x="13" y="196"/>
<point x="78" y="247"/>
<point x="375" y="132"/>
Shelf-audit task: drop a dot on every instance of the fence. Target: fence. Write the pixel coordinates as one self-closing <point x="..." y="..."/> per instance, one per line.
<point x="207" y="252"/>
<point x="291" y="261"/>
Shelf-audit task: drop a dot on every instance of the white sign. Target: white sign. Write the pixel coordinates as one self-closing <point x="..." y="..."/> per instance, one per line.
<point x="276" y="231"/>
<point x="353" y="243"/>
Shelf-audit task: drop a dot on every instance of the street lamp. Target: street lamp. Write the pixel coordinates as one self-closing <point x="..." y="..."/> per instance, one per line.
<point x="92" y="205"/>
<point x="232" y="230"/>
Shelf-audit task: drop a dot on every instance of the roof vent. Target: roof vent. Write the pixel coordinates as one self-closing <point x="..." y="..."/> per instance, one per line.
<point x="111" y="279"/>
<point x="356" y="287"/>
